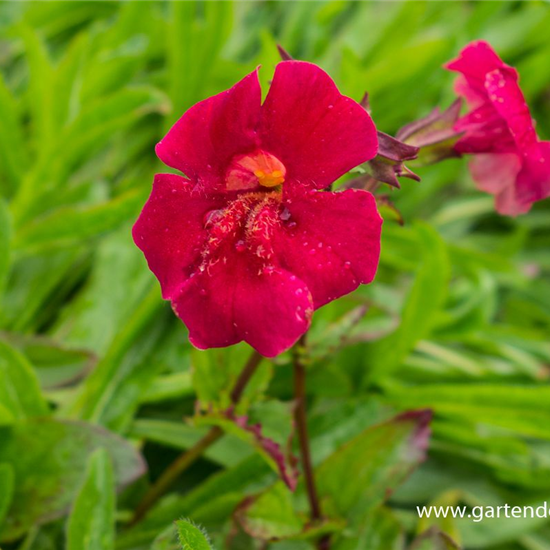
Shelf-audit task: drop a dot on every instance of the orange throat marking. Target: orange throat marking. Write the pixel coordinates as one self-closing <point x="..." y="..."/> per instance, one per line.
<point x="258" y="168"/>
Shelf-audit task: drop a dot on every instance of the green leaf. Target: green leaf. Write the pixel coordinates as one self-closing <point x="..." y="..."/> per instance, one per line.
<point x="72" y="224"/>
<point x="166" y="540"/>
<point x="422" y="306"/>
<point x="206" y="28"/>
<point x="379" y="530"/>
<point x="169" y="387"/>
<point x="48" y="458"/>
<point x="112" y="392"/>
<point x="55" y="365"/>
<point x="91" y="524"/>
<point x="271" y="515"/>
<point x="13" y="154"/>
<point x="277" y="454"/>
<point x="5" y="238"/>
<point x="433" y="539"/>
<point x="19" y="389"/>
<point x="377" y="460"/>
<point x="6" y="489"/>
<point x="215" y="372"/>
<point x="115" y="289"/>
<point x="334" y="336"/>
<point x="526" y="408"/>
<point x="29" y="299"/>
<point x="192" y="537"/>
<point x="41" y="75"/>
<point x="227" y="452"/>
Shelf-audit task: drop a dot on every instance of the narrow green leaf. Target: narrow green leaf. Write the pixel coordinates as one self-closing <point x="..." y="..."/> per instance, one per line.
<point x="41" y="74"/>
<point x="422" y="306"/>
<point x="19" y="389"/>
<point x="526" y="411"/>
<point x="228" y="452"/>
<point x="91" y="525"/>
<point x="34" y="281"/>
<point x="67" y="80"/>
<point x="13" y="154"/>
<point x="6" y="489"/>
<point x="73" y="224"/>
<point x="55" y="364"/>
<point x="49" y="457"/>
<point x="192" y="537"/>
<point x="5" y="237"/>
<point x="206" y="28"/>
<point x="112" y="392"/>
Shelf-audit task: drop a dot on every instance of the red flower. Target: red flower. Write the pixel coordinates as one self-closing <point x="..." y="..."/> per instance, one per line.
<point x="247" y="245"/>
<point x="510" y="161"/>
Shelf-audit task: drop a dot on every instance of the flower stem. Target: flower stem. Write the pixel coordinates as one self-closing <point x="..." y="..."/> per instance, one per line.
<point x="187" y="458"/>
<point x="301" y="427"/>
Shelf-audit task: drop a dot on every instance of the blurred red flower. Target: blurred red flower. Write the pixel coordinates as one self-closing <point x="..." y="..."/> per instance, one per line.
<point x="247" y="244"/>
<point x="509" y="160"/>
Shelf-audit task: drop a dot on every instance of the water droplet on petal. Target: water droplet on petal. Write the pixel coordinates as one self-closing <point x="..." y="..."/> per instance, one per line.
<point x="347" y="265"/>
<point x="240" y="246"/>
<point x="285" y="214"/>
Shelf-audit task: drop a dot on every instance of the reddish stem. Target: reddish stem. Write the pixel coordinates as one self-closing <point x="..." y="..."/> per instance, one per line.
<point x="300" y="418"/>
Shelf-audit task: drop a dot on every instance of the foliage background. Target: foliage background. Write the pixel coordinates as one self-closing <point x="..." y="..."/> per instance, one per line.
<point x="458" y="317"/>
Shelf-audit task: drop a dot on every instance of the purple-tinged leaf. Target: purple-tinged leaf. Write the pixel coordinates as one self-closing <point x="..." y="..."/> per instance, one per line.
<point x="49" y="459"/>
<point x="277" y="455"/>
<point x="377" y="460"/>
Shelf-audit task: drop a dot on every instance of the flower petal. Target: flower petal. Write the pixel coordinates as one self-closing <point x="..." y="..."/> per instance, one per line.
<point x="476" y="60"/>
<point x="331" y="242"/>
<point x="204" y="140"/>
<point x="533" y="183"/>
<point x="239" y="300"/>
<point x="316" y="132"/>
<point x="507" y="98"/>
<point x="496" y="174"/>
<point x="170" y="229"/>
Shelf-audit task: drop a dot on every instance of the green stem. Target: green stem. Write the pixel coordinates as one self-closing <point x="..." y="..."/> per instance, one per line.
<point x="187" y="458"/>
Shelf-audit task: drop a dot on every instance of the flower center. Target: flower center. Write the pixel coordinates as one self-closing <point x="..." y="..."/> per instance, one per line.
<point x="258" y="168"/>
